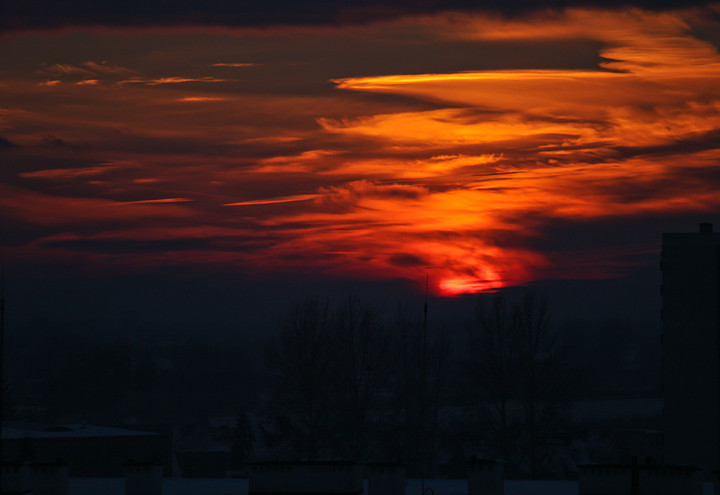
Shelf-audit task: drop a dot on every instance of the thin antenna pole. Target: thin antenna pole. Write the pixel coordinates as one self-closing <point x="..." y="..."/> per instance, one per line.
<point x="423" y="387"/>
<point x="2" y="340"/>
<point x="427" y="283"/>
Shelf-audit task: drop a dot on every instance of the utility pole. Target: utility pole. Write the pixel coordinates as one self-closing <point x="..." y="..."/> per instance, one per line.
<point x="424" y="456"/>
<point x="2" y="343"/>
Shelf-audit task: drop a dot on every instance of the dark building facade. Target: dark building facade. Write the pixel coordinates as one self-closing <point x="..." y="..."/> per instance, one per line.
<point x="691" y="347"/>
<point x="88" y="451"/>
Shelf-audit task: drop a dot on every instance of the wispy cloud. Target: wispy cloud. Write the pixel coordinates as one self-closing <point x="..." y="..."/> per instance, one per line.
<point x="172" y="80"/>
<point x="88" y="68"/>
<point x="70" y="173"/>
<point x="221" y="64"/>
<point x="269" y="201"/>
<point x="200" y="98"/>
<point x="151" y="201"/>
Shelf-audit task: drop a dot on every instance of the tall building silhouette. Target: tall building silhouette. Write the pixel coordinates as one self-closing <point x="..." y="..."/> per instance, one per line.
<point x="691" y="347"/>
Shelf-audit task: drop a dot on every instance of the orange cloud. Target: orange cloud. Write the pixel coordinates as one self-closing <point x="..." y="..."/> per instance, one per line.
<point x="567" y="138"/>
<point x="221" y="64"/>
<point x="151" y="201"/>
<point x="200" y="98"/>
<point x="285" y="199"/>
<point x="87" y="68"/>
<point x="172" y="80"/>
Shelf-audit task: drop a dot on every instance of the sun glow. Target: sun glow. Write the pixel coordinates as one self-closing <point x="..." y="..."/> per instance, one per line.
<point x="467" y="285"/>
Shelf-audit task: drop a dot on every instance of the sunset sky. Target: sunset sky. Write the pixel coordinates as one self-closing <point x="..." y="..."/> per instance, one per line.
<point x="483" y="148"/>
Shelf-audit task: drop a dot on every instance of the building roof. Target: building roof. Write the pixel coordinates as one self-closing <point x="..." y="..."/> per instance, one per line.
<point x="71" y="431"/>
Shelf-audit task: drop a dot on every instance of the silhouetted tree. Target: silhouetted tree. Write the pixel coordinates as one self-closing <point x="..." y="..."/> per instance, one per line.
<point x="242" y="439"/>
<point x="359" y="346"/>
<point x="301" y="384"/>
<point x="516" y="366"/>
<point x="420" y="372"/>
<point x="542" y="365"/>
<point x="327" y="371"/>
<point x="90" y="379"/>
<point x="493" y="348"/>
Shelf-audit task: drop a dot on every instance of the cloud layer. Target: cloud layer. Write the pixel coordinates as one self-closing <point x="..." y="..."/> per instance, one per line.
<point x="46" y="14"/>
<point x="304" y="151"/>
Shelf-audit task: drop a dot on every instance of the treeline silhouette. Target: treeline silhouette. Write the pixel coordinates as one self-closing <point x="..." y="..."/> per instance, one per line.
<point x="345" y="384"/>
<point x="343" y="380"/>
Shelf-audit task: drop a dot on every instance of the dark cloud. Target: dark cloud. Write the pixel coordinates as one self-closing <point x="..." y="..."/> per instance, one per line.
<point x="6" y="143"/>
<point x="691" y="143"/>
<point x="630" y="242"/>
<point x="52" y="141"/>
<point x="114" y="246"/>
<point x="408" y="260"/>
<point x="49" y="14"/>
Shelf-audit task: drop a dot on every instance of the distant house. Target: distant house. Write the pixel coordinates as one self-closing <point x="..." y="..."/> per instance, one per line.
<point x="639" y="479"/>
<point x="637" y="443"/>
<point x="215" y="447"/>
<point x="89" y="451"/>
